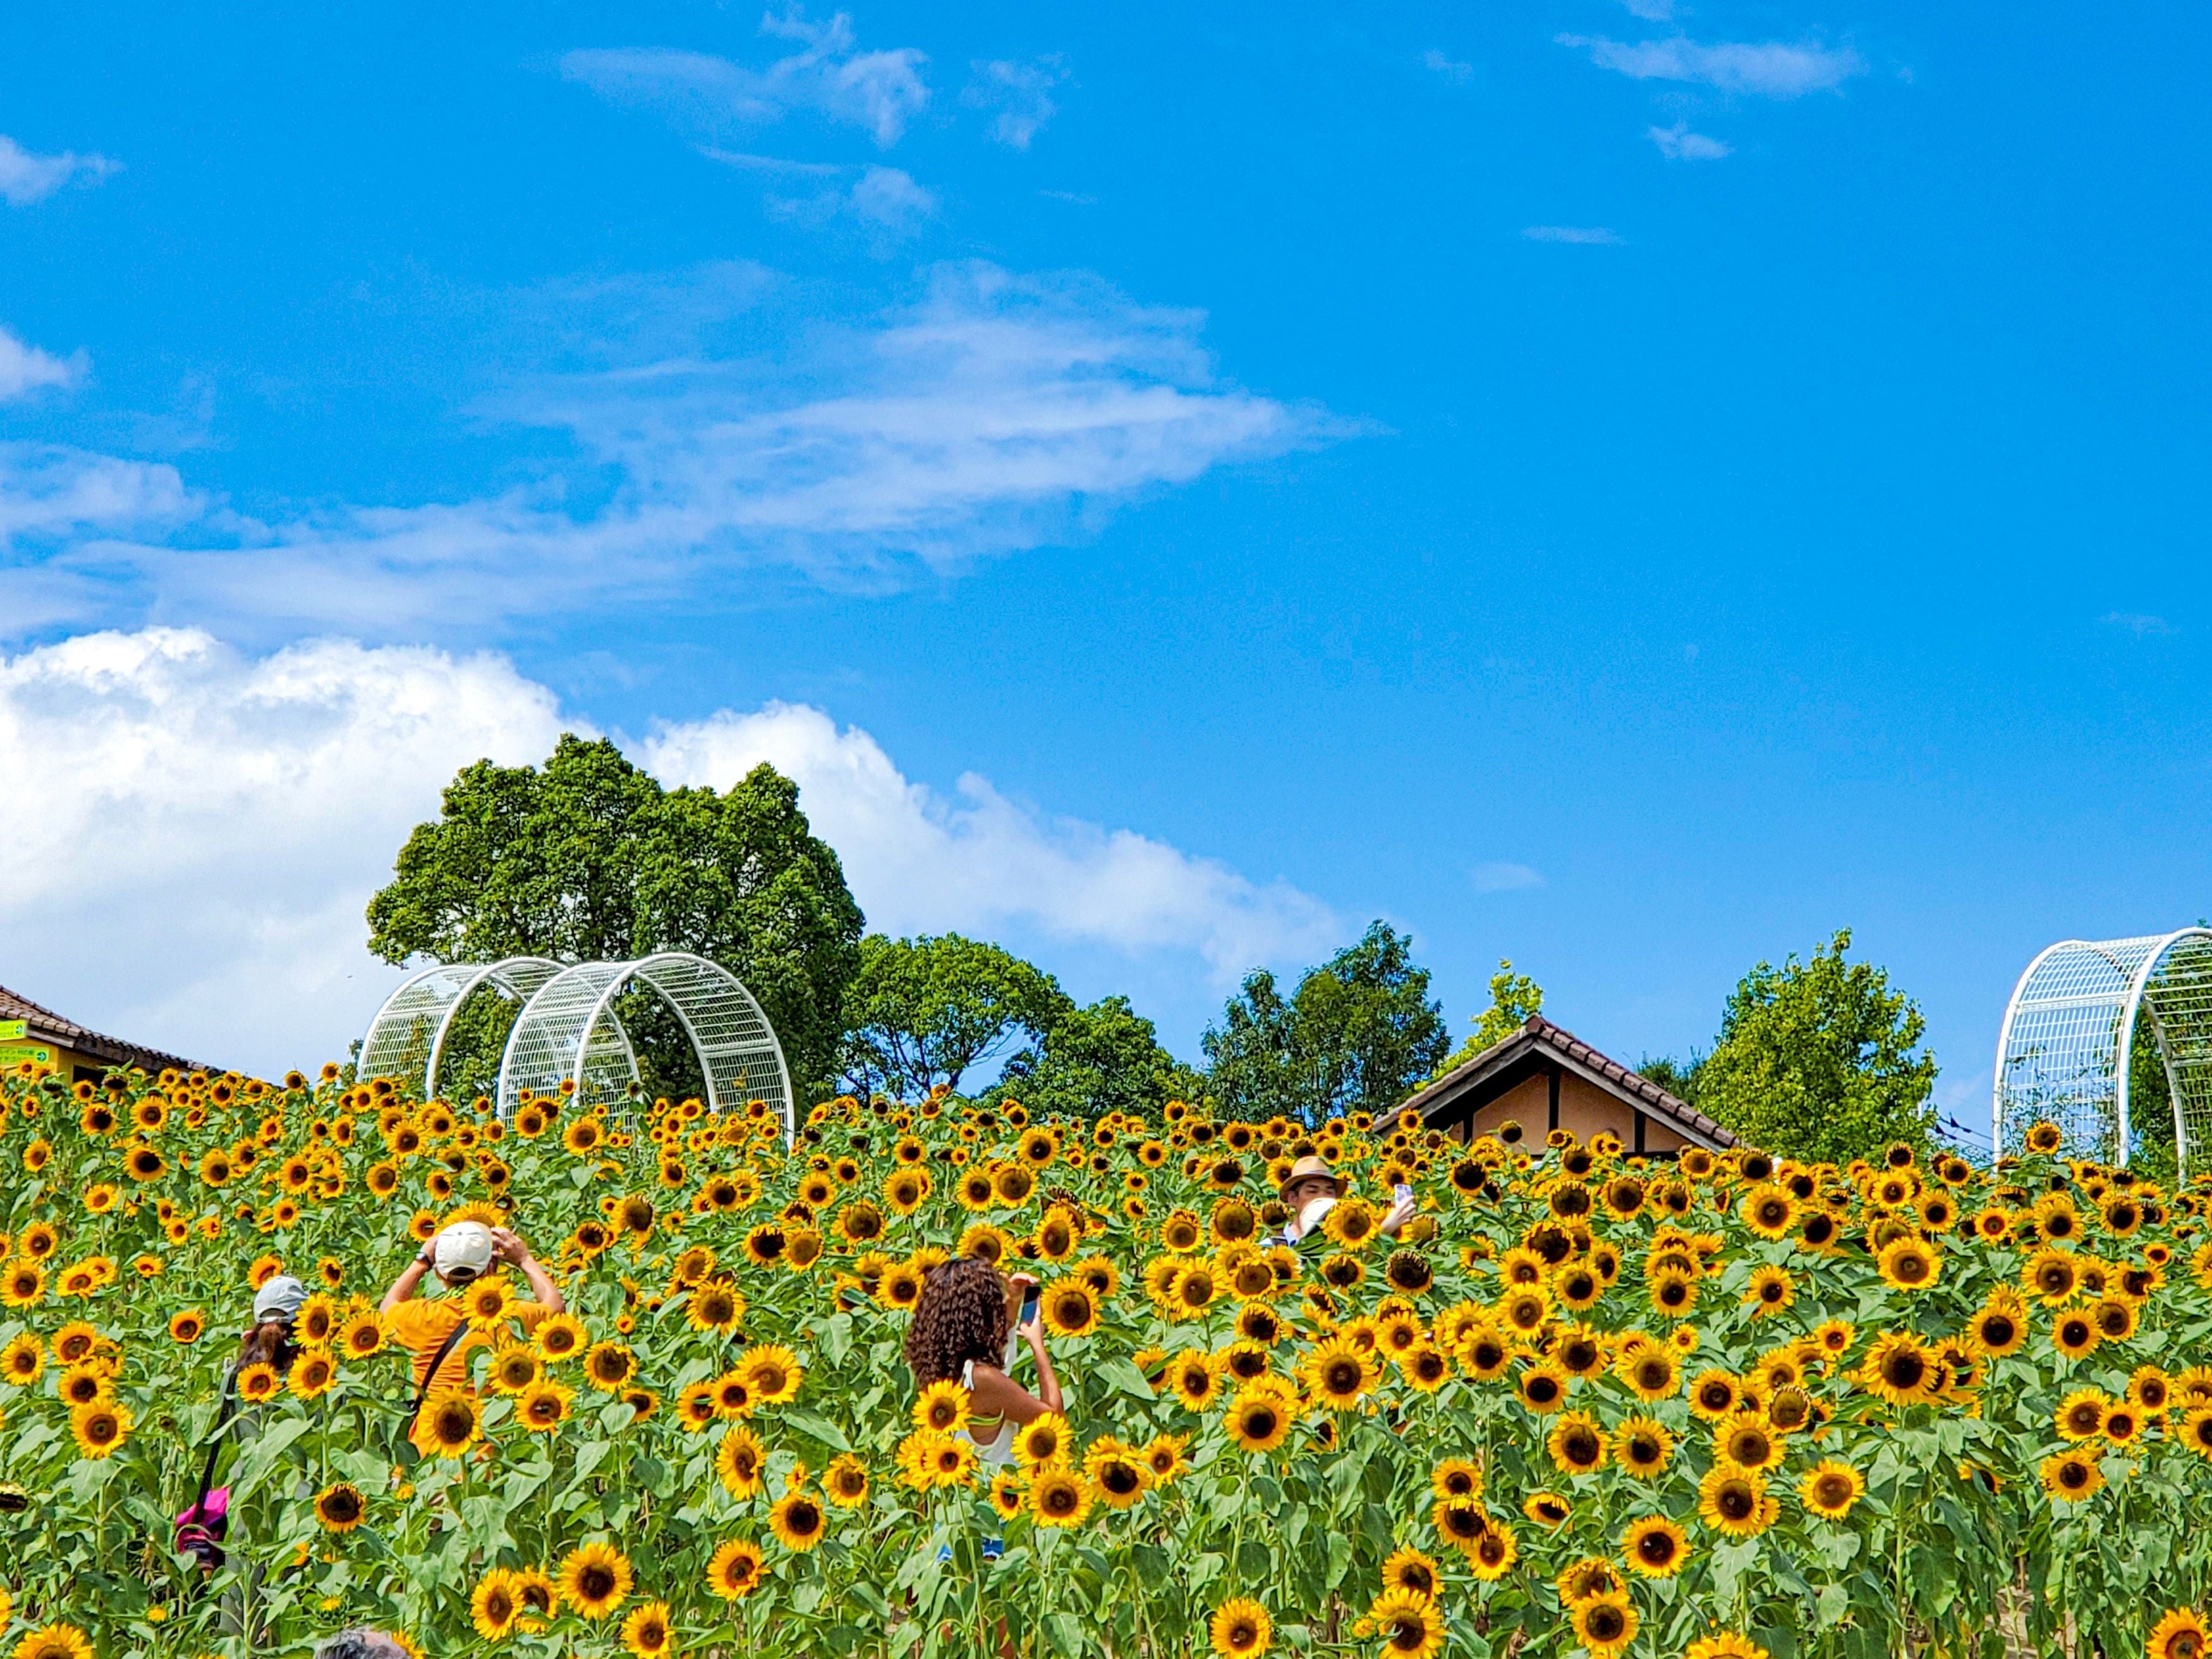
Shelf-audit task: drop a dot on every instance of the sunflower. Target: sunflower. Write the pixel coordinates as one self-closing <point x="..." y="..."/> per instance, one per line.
<point x="1338" y="1372"/>
<point x="54" y="1641"/>
<point x="1576" y="1443"/>
<point x="449" y="1424"/>
<point x="1069" y="1307"/>
<point x="561" y="1336"/>
<point x="1041" y="1442"/>
<point x="2081" y="1415"/>
<point x="715" y="1306"/>
<point x="313" y="1373"/>
<point x="942" y="1408"/>
<point x="1650" y="1369"/>
<point x="1483" y="1352"/>
<point x="1643" y="1446"/>
<point x="544" y="1405"/>
<point x="741" y="1461"/>
<point x="1240" y="1629"/>
<point x="1909" y="1263"/>
<point x="23" y="1360"/>
<point x="1714" y="1395"/>
<point x="2000" y="1326"/>
<point x="609" y="1367"/>
<point x="1607" y="1625"/>
<point x="734" y="1573"/>
<point x="2051" y="1276"/>
<point x="1409" y="1625"/>
<point x="2070" y="1476"/>
<point x="1547" y="1509"/>
<point x="1726" y="1644"/>
<point x="845" y="1482"/>
<point x="1542" y="1389"/>
<point x="1735" y="1501"/>
<point x="772" y="1372"/>
<point x="2074" y="1335"/>
<point x="1899" y="1369"/>
<point x="340" y="1507"/>
<point x="595" y="1579"/>
<point x="797" y="1521"/>
<point x="1771" y="1289"/>
<point x="99" y="1427"/>
<point x="647" y="1632"/>
<point x="1493" y="1554"/>
<point x="1059" y="1497"/>
<point x="1747" y="1439"/>
<point x="1456" y="1477"/>
<point x="1655" y="1546"/>
<point x="1118" y="1475"/>
<point x="2179" y="1634"/>
<point x="1830" y="1488"/>
<point x="1258" y="1420"/>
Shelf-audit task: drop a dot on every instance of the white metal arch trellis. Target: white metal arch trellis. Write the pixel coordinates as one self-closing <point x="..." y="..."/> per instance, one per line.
<point x="409" y="1030"/>
<point x="2068" y="1033"/>
<point x="570" y="1032"/>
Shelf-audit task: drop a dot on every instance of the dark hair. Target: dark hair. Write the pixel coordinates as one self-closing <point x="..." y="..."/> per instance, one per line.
<point x="962" y="1315"/>
<point x="269" y="1343"/>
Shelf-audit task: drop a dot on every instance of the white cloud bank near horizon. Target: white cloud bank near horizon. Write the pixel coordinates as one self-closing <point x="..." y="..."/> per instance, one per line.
<point x="192" y="870"/>
<point x="1771" y="69"/>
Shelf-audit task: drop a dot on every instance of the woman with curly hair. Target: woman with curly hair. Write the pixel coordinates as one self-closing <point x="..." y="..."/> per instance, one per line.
<point x="964" y="1331"/>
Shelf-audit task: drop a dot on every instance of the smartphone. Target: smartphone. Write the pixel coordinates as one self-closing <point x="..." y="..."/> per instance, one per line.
<point x="1402" y="1192"/>
<point x="1029" y="1303"/>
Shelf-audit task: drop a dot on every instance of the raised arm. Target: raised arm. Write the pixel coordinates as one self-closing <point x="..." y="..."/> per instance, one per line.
<point x="404" y="1287"/>
<point x="512" y="1249"/>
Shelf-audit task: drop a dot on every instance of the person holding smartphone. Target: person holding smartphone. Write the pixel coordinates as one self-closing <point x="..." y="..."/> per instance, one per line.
<point x="968" y="1327"/>
<point x="1312" y="1189"/>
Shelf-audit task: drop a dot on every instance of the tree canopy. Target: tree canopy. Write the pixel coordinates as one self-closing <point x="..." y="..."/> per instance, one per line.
<point x="1513" y="998"/>
<point x="589" y="858"/>
<point x="922" y="1011"/>
<point x="1097" y="1059"/>
<point x="1820" y="1060"/>
<point x="1359" y="1033"/>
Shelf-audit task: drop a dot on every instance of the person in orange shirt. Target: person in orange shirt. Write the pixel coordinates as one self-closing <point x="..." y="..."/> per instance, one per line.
<point x="458" y="1257"/>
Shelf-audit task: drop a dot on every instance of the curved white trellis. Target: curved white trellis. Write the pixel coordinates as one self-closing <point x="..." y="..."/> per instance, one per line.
<point x="2069" y="1033"/>
<point x="570" y="1032"/>
<point x="407" y="1038"/>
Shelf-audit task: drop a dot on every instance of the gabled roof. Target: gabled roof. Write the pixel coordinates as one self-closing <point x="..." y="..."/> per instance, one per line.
<point x="44" y="1023"/>
<point x="1538" y="1037"/>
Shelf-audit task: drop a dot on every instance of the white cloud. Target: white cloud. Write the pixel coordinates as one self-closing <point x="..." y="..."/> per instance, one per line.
<point x="877" y="91"/>
<point x="1679" y="143"/>
<point x="920" y="862"/>
<point x="48" y="490"/>
<point x="192" y="870"/>
<point x="1450" y="68"/>
<point x="24" y="369"/>
<point x="885" y="200"/>
<point x="998" y="413"/>
<point x="25" y="177"/>
<point x="1505" y="877"/>
<point x="1586" y="235"/>
<point x="1771" y="68"/>
<point x="2141" y="626"/>
<point x="1651" y="11"/>
<point x="1019" y="93"/>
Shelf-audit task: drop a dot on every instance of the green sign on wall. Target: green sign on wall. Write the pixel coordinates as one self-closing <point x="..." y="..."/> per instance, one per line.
<point x="12" y="1054"/>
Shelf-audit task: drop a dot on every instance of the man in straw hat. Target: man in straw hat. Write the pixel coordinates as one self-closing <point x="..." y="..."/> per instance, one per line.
<point x="1312" y="1190"/>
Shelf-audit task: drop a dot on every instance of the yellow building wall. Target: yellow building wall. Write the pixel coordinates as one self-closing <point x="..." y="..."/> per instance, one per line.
<point x="1585" y="1109"/>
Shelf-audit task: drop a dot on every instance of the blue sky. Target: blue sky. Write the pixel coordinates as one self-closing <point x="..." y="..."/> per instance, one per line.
<point x="1628" y="487"/>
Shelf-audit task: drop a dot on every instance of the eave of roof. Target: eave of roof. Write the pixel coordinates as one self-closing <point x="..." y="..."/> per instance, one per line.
<point x="1537" y="1032"/>
<point x="44" y="1023"/>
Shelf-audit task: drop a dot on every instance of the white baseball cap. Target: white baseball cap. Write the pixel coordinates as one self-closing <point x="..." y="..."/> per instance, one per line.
<point x="279" y="1298"/>
<point x="463" y="1251"/>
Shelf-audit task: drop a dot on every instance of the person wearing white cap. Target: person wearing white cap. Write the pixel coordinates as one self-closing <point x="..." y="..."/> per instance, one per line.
<point x="431" y="1327"/>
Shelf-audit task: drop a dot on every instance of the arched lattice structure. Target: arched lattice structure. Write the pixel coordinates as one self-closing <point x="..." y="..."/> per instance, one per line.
<point x="407" y="1038"/>
<point x="570" y="1032"/>
<point x="2069" y="1033"/>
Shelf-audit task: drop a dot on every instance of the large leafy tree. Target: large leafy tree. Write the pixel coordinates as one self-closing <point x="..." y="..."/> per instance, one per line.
<point x="587" y="857"/>
<point x="1097" y="1059"/>
<point x="923" y="1011"/>
<point x="1359" y="1033"/>
<point x="1820" y="1060"/>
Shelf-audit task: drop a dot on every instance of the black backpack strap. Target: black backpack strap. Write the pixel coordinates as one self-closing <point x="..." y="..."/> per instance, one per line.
<point x="422" y="1395"/>
<point x="215" y="1438"/>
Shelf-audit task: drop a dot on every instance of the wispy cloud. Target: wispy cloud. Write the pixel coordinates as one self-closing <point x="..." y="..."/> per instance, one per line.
<point x="1587" y="236"/>
<point x="1651" y="11"/>
<point x="885" y="200"/>
<point x="26" y="177"/>
<point x="1679" y="143"/>
<point x="1770" y="69"/>
<point x="1505" y="877"/>
<point x="2140" y="625"/>
<point x="877" y="91"/>
<point x="997" y="413"/>
<point x="1019" y="93"/>
<point x="1450" y="68"/>
<point x="24" y="369"/>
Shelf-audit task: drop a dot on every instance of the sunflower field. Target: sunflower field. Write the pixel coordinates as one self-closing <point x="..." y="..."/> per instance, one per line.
<point x="1718" y="1407"/>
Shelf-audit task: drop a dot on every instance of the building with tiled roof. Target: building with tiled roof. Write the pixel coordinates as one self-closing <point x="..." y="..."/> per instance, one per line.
<point x="31" y="1032"/>
<point x="1544" y="1077"/>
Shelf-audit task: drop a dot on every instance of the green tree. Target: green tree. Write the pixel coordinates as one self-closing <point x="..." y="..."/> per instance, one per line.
<point x="1093" y="1061"/>
<point x="927" y="1011"/>
<point x="1821" y="1060"/>
<point x="1513" y="998"/>
<point x="588" y="858"/>
<point x="1359" y="1033"/>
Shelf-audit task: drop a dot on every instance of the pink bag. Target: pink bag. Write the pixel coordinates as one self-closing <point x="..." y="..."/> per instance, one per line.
<point x="200" y="1527"/>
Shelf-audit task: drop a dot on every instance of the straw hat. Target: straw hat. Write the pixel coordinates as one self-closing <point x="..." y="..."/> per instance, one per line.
<point x="1308" y="1167"/>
